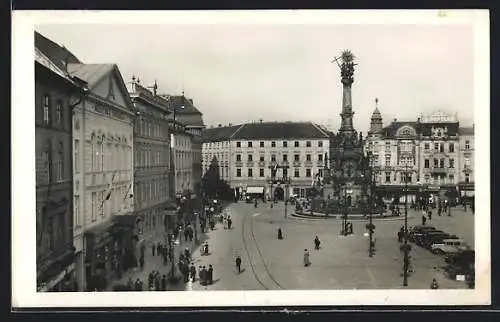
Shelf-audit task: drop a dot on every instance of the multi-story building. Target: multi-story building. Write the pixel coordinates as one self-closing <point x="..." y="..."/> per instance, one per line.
<point x="466" y="162"/>
<point x="427" y="151"/>
<point x="103" y="175"/>
<point x="395" y="156"/>
<point x="246" y="154"/>
<point x="152" y="200"/>
<point x="55" y="94"/>
<point x="192" y="118"/>
<point x="439" y="146"/>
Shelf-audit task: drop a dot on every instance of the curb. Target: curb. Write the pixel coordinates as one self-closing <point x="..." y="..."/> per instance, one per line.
<point x="338" y="217"/>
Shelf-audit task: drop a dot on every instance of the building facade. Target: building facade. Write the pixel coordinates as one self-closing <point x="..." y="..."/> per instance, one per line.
<point x="152" y="202"/>
<point x="428" y="155"/>
<point x="247" y="153"/>
<point x="395" y="151"/>
<point x="466" y="162"/>
<point x="192" y="118"/>
<point x="55" y="94"/>
<point x="103" y="176"/>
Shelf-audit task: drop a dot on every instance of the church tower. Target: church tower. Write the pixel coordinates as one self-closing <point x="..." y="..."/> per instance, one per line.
<point x="376" y="123"/>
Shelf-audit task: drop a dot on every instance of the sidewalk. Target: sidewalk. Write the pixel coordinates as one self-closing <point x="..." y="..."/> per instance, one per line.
<point x="156" y="263"/>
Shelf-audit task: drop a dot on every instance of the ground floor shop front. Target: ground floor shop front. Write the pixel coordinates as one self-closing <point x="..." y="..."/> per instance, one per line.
<point x="109" y="250"/>
<point x="57" y="272"/>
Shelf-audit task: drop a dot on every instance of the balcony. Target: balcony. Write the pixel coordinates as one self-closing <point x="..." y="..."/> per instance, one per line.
<point x="296" y="164"/>
<point x="438" y="170"/>
<point x="239" y="163"/>
<point x="262" y="164"/>
<point x="249" y="164"/>
<point x="284" y="163"/>
<point x="320" y="163"/>
<point x="308" y="163"/>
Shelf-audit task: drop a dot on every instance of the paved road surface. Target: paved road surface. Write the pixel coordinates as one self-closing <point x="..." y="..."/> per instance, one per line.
<point x="341" y="263"/>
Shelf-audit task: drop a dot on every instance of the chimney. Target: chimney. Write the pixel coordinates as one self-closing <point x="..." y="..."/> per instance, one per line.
<point x="260" y="121"/>
<point x="230" y="124"/>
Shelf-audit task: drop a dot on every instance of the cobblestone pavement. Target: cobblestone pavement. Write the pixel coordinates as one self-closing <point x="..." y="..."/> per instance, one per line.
<point x="341" y="263"/>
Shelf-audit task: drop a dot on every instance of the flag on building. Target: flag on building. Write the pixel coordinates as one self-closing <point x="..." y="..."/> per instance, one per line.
<point x="127" y="195"/>
<point x="110" y="187"/>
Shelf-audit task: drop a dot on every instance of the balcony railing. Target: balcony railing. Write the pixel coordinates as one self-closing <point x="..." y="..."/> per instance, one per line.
<point x="438" y="170"/>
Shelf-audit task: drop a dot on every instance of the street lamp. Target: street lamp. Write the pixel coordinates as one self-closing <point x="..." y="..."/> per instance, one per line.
<point x="406" y="246"/>
<point x="287" y="182"/>
<point x="371" y="185"/>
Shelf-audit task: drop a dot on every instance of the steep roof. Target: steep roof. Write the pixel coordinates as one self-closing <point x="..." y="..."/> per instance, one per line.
<point x="266" y="131"/>
<point x="190" y="115"/>
<point x="91" y="73"/>
<point x="57" y="54"/>
<point x="217" y="134"/>
<point x="466" y="130"/>
<point x="280" y="130"/>
<point x="391" y="129"/>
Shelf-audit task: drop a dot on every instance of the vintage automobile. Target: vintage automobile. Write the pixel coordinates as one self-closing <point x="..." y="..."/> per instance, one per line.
<point x="431" y="237"/>
<point x="418" y="231"/>
<point x="449" y="246"/>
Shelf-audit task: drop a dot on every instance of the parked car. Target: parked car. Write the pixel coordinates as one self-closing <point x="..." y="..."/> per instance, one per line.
<point x="461" y="263"/>
<point x="417" y="231"/>
<point x="449" y="246"/>
<point x="429" y="238"/>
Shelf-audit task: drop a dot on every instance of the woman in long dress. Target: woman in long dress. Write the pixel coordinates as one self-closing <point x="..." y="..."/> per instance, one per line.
<point x="307" y="262"/>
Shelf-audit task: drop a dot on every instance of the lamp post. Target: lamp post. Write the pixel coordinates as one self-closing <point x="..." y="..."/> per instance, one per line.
<point x="406" y="246"/>
<point x="370" y="184"/>
<point x="344" y="216"/>
<point x="287" y="182"/>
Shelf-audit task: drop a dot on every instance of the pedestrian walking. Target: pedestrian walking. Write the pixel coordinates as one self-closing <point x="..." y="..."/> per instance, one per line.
<point x="130" y="284"/>
<point x="307" y="262"/>
<point x="192" y="271"/>
<point x="158" y="249"/>
<point x="238" y="264"/>
<point x="200" y="273"/>
<point x="229" y="222"/>
<point x="153" y="248"/>
<point x="429" y="215"/>
<point x="163" y="283"/>
<point x="157" y="283"/>
<point x="434" y="284"/>
<point x="317" y="243"/>
<point x="424" y="219"/>
<point x="138" y="285"/>
<point x="141" y="262"/>
<point x="210" y="274"/>
<point x="280" y="234"/>
<point x="204" y="276"/>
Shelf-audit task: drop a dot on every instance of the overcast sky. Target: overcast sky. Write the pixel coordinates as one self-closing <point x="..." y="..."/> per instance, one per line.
<point x="240" y="73"/>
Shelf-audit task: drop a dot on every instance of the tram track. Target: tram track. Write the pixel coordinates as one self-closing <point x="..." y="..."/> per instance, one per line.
<point x="251" y="258"/>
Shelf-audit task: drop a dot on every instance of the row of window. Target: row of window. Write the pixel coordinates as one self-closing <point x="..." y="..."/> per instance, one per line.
<point x="439" y="163"/>
<point x="262" y="172"/>
<point x="49" y="118"/>
<point x="52" y="165"/>
<point x="440" y="147"/>
<point x="106" y="157"/>
<point x="263" y="144"/>
<point x="427" y="146"/>
<point x="104" y="202"/>
<point x="148" y="158"/>
<point x="153" y="190"/>
<point x="151" y="128"/>
<point x="296" y="157"/>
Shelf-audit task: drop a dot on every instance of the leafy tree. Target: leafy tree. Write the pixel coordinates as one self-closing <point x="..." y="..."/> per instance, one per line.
<point x="211" y="181"/>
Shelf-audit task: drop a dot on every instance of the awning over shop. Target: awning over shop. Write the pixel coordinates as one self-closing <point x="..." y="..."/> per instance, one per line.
<point x="256" y="190"/>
